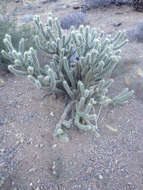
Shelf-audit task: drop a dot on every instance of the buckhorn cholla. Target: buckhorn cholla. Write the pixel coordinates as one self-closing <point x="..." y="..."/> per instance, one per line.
<point x="81" y="63"/>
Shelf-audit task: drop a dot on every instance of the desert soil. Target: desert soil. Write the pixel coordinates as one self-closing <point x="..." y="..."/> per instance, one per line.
<point x="28" y="152"/>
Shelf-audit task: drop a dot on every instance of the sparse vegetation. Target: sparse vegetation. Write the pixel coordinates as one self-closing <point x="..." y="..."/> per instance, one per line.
<point x="9" y="26"/>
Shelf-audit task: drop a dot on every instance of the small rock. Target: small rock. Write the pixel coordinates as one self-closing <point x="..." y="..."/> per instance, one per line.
<point x="75" y="19"/>
<point x="19" y="94"/>
<point x="1" y="81"/>
<point x="100" y="177"/>
<point x="76" y="6"/>
<point x="2" y="150"/>
<point x="29" y="6"/>
<point x="117" y="25"/>
<point x="13" y="183"/>
<point x="140" y="72"/>
<point x="20" y="137"/>
<point x="31" y="170"/>
<point x="41" y="145"/>
<point x="30" y="141"/>
<point x="37" y="188"/>
<point x="52" y="114"/>
<point x="89" y="170"/>
<point x="38" y="181"/>
<point x="54" y="146"/>
<point x="136" y="34"/>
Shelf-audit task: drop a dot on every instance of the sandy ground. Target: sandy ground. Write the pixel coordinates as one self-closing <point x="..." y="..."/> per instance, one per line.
<point x="28" y="150"/>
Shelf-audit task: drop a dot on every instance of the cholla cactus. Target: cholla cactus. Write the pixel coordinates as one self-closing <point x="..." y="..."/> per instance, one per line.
<point x="80" y="68"/>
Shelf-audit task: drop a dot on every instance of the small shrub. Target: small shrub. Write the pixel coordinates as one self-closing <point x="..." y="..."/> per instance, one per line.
<point x="8" y="26"/>
<point x="80" y="67"/>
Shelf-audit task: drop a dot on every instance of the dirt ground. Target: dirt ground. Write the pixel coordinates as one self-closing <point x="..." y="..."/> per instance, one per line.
<point x="29" y="154"/>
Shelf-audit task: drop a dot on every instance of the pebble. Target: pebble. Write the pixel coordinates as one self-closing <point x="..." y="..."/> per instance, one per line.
<point x="29" y="6"/>
<point x="30" y="141"/>
<point x="52" y="114"/>
<point x="89" y="170"/>
<point x="19" y="94"/>
<point x="100" y="177"/>
<point x="136" y="33"/>
<point x="20" y="137"/>
<point x="139" y="72"/>
<point x="37" y="188"/>
<point x="2" y="150"/>
<point x="74" y="19"/>
<point x="31" y="170"/>
<point x="1" y="81"/>
<point x="38" y="181"/>
<point x="54" y="146"/>
<point x="41" y="145"/>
